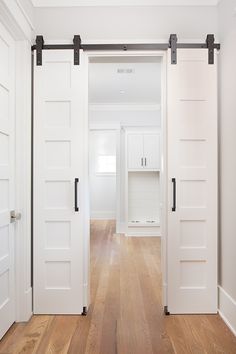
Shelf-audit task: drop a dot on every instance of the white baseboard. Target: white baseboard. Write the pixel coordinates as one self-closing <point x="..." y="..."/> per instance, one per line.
<point x="143" y="231"/>
<point x="121" y="228"/>
<point x="227" y="309"/>
<point x="142" y="234"/>
<point x="103" y="215"/>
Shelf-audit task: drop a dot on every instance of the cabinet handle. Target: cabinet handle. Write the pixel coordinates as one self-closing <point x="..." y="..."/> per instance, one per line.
<point x="174" y="194"/>
<point x="145" y="161"/>
<point x="142" y="161"/>
<point x="76" y="194"/>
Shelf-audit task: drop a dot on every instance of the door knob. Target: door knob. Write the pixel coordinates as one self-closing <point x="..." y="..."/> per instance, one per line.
<point x="14" y="216"/>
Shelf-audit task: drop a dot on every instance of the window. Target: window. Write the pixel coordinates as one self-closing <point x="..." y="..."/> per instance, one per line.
<point x="106" y="164"/>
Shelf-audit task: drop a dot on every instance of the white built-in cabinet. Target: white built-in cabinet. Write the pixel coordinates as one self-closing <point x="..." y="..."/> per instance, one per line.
<point x="143" y="151"/>
<point x="143" y="182"/>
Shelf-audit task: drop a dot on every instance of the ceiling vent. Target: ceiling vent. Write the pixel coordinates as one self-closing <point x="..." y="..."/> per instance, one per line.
<point x="125" y="71"/>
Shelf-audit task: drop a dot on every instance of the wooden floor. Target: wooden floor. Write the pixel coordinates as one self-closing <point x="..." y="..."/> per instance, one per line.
<point x="125" y="316"/>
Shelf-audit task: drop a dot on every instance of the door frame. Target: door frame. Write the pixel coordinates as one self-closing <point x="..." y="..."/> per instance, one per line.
<point x="164" y="206"/>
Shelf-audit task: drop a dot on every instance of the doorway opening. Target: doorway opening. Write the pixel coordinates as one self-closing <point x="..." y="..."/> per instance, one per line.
<point x="127" y="147"/>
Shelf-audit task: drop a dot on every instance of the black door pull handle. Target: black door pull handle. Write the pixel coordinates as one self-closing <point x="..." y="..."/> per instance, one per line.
<point x="76" y="194"/>
<point x="174" y="194"/>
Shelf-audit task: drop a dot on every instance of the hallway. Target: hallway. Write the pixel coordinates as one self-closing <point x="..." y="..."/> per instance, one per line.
<point x="126" y="314"/>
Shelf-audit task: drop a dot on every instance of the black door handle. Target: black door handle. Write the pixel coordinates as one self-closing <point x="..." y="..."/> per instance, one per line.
<point x="174" y="194"/>
<point x="76" y="194"/>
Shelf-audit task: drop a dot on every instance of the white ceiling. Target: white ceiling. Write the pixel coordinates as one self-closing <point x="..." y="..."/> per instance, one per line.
<point x="73" y="3"/>
<point x="142" y="86"/>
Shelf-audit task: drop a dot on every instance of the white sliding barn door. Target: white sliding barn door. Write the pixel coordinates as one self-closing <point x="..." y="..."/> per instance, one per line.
<point x="59" y="115"/>
<point x="192" y="162"/>
<point x="7" y="180"/>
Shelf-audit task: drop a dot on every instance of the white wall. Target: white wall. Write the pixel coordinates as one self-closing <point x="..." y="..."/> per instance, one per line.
<point x="102" y="186"/>
<point x="126" y="23"/>
<point x="227" y="129"/>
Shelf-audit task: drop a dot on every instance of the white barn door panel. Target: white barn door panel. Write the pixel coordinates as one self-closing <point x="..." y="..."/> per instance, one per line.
<point x="7" y="180"/>
<point x="60" y="89"/>
<point x="192" y="162"/>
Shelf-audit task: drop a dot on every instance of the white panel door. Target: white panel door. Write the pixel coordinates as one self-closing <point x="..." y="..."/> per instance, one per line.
<point x="7" y="183"/>
<point x="59" y="131"/>
<point x="151" y="151"/>
<point x="135" y="151"/>
<point x="192" y="171"/>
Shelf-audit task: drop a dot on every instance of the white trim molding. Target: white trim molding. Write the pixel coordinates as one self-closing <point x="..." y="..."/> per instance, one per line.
<point x="30" y="23"/>
<point x="15" y="19"/>
<point x="124" y="107"/>
<point x="76" y="3"/>
<point x="104" y="126"/>
<point x="227" y="309"/>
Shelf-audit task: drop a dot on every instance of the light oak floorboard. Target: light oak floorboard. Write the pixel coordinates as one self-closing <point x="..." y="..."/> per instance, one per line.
<point x="126" y="313"/>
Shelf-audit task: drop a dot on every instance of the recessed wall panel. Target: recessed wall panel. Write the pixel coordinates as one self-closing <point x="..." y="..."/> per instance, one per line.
<point x="58" y="195"/>
<point x="57" y="114"/>
<point x="58" y="275"/>
<point x="4" y="193"/>
<point x="4" y="241"/>
<point x="58" y="154"/>
<point x="191" y="120"/>
<point x="193" y="78"/>
<point x="4" y="104"/>
<point x="55" y="82"/>
<point x="193" y="274"/>
<point x="4" y="286"/>
<point x="58" y="234"/>
<point x="193" y="153"/>
<point x="4" y="149"/>
<point x="192" y="194"/>
<point x="192" y="233"/>
<point x="144" y="196"/>
<point x="4" y="58"/>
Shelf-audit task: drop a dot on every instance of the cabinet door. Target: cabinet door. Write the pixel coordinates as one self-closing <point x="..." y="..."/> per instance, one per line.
<point x="135" y="151"/>
<point x="151" y="154"/>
